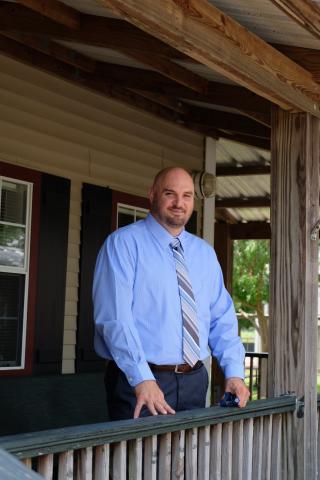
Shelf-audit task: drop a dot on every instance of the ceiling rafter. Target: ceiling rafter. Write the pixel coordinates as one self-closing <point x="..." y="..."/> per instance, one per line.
<point x="243" y="202"/>
<point x="228" y="121"/>
<point x="242" y="170"/>
<point x="203" y="32"/>
<point x="57" y="11"/>
<point x="96" y="31"/>
<point x="308" y="58"/>
<point x="63" y="14"/>
<point x="93" y="82"/>
<point x="203" y="115"/>
<point x="304" y="12"/>
<point x="27" y="55"/>
<point x="56" y="50"/>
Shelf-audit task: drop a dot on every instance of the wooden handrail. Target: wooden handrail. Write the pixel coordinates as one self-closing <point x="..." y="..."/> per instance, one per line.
<point x="71" y="438"/>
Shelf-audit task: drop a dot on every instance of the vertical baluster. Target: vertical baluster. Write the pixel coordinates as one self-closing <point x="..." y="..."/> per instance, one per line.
<point x="263" y="377"/>
<point x="215" y="455"/>
<point x="276" y="473"/>
<point x="165" y="457"/>
<point x="226" y="454"/>
<point x="119" y="461"/>
<point x="84" y="464"/>
<point x="247" y="449"/>
<point x="135" y="459"/>
<point x="45" y="466"/>
<point x="237" y="450"/>
<point x="191" y="453"/>
<point x="178" y="449"/>
<point x="204" y="453"/>
<point x="257" y="448"/>
<point x="259" y="378"/>
<point x="101" y="462"/>
<point x="251" y="377"/>
<point x="65" y="470"/>
<point x="266" y="457"/>
<point x="150" y="458"/>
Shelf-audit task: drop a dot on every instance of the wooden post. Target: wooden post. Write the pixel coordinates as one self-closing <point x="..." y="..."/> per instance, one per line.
<point x="223" y="248"/>
<point x="294" y="283"/>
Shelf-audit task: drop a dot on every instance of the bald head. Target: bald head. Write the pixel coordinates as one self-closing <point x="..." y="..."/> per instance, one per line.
<point x="162" y="174"/>
<point x="172" y="198"/>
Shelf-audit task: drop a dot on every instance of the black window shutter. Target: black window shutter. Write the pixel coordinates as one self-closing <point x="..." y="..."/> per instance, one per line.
<point x="52" y="267"/>
<point x="96" y="223"/>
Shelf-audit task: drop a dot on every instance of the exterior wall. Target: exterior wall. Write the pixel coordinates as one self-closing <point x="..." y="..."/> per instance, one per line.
<point x="50" y="125"/>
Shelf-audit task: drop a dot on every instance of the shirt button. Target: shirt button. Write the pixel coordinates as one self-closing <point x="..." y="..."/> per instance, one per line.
<point x="130" y="379"/>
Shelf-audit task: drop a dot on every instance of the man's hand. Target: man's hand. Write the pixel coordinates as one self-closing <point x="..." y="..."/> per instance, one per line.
<point x="237" y="386"/>
<point x="148" y="393"/>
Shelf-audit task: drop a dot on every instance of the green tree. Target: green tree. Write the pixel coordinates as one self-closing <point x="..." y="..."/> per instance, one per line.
<point x="250" y="290"/>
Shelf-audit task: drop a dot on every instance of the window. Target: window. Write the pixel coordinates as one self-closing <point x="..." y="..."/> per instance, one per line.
<point x="15" y="227"/>
<point x="127" y="214"/>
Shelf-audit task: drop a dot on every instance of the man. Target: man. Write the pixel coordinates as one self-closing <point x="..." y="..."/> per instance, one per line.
<point x="159" y="304"/>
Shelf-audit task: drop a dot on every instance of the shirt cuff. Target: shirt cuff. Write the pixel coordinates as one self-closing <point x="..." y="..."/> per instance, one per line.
<point x="139" y="373"/>
<point x="234" y="371"/>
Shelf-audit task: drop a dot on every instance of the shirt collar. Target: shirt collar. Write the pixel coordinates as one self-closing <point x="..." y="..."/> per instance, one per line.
<point x="161" y="234"/>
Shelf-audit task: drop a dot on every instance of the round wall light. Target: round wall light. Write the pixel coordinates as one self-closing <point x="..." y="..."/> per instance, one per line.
<point x="204" y="184"/>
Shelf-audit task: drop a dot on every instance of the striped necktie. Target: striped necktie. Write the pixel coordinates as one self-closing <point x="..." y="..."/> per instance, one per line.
<point x="191" y="344"/>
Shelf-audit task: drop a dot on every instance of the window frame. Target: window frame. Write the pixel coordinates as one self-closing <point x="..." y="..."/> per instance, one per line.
<point x="26" y="176"/>
<point x="21" y="270"/>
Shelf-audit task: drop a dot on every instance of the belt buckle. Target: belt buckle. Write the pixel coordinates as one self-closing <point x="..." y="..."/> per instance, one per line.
<point x="176" y="369"/>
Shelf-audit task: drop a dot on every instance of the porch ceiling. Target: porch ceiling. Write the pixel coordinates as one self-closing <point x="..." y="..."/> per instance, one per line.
<point x="84" y="42"/>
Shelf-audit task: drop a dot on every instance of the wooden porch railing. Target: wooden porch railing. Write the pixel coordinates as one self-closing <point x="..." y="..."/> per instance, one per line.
<point x="213" y="443"/>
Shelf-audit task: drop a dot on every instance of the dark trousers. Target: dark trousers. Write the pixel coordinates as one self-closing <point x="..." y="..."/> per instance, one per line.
<point x="182" y="391"/>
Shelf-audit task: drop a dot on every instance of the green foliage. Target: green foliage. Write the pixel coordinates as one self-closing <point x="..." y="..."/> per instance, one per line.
<point x="250" y="275"/>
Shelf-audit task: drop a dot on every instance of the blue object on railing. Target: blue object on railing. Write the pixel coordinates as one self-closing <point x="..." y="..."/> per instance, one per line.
<point x="229" y="400"/>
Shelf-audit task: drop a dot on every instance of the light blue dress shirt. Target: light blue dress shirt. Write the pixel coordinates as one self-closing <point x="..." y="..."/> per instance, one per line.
<point x="137" y="308"/>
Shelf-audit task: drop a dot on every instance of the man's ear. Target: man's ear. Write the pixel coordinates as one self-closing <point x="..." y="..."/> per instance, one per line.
<point x="151" y="195"/>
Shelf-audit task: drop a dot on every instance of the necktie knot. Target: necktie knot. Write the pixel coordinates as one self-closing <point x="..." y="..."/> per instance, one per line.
<point x="175" y="244"/>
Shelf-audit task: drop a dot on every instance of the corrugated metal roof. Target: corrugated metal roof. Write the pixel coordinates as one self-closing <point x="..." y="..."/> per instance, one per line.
<point x="236" y="153"/>
<point x="269" y="22"/>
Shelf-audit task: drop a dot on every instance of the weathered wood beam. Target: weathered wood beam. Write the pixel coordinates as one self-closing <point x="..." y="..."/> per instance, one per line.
<point x="242" y="202"/>
<point x="56" y="50"/>
<point x="169" y="102"/>
<point x="308" y="58"/>
<point x="206" y="34"/>
<point x="224" y="215"/>
<point x="57" y="11"/>
<point x="227" y="121"/>
<point x="219" y="94"/>
<point x="235" y="137"/>
<point x="250" y="231"/>
<point x="294" y="283"/>
<point x="246" y="139"/>
<point x="94" y="30"/>
<point x="169" y="69"/>
<point x="305" y="12"/>
<point x="242" y="170"/>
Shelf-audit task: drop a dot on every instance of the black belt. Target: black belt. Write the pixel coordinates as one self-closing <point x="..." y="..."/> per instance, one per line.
<point x="182" y="368"/>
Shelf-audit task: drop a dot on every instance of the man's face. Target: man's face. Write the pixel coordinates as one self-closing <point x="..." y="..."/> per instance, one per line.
<point x="172" y="200"/>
